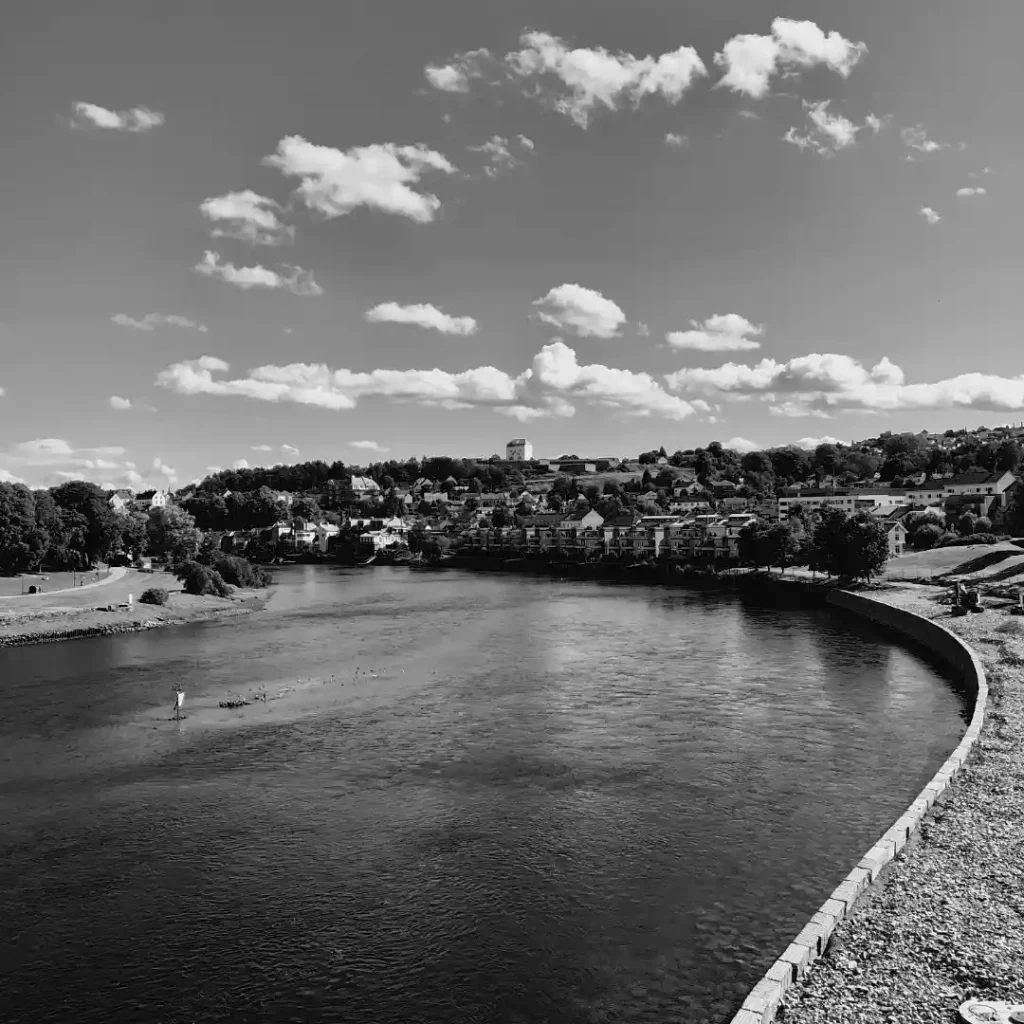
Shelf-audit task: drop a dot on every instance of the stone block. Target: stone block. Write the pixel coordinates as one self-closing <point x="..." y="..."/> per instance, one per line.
<point x="781" y="973"/>
<point x="798" y="956"/>
<point x="833" y="908"/>
<point x="748" y="1017"/>
<point x="860" y="878"/>
<point x="847" y="893"/>
<point x="814" y="938"/>
<point x="898" y="837"/>
<point x="764" y="999"/>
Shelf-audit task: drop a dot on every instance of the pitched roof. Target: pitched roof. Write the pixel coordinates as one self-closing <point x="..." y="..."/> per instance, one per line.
<point x="623" y="519"/>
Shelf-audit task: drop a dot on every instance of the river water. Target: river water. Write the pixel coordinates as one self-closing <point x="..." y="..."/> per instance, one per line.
<point x="537" y="801"/>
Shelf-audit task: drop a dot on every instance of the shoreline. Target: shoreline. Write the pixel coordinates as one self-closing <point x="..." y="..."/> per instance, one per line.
<point x="72" y="615"/>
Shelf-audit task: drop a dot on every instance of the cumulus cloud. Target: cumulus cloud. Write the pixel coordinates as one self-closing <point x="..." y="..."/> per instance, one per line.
<point x="499" y="154"/>
<point x="967" y="193"/>
<point x="812" y="442"/>
<point x="827" y="383"/>
<point x="240" y="464"/>
<point x="117" y="402"/>
<point x="162" y="469"/>
<point x="676" y="141"/>
<point x="297" y="281"/>
<point x="750" y="60"/>
<point x="917" y="138"/>
<point x="728" y="332"/>
<point x="828" y="132"/>
<point x="289" y="449"/>
<point x="525" y="142"/>
<point x="576" y="81"/>
<point x="741" y="445"/>
<point x="422" y="315"/>
<point x="261" y="448"/>
<point x="974" y="175"/>
<point x="929" y="215"/>
<point x="456" y="75"/>
<point x="247" y="216"/>
<point x="138" y="119"/>
<point x="381" y="176"/>
<point x="584" y="311"/>
<point x="549" y="387"/>
<point x="642" y="330"/>
<point x="151" y="321"/>
<point x="368" y="446"/>
<point x="9" y="478"/>
<point x="44" y="461"/>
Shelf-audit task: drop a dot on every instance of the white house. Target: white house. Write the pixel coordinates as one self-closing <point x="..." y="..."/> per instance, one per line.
<point x="121" y="501"/>
<point x="519" y="450"/>
<point x="364" y="486"/>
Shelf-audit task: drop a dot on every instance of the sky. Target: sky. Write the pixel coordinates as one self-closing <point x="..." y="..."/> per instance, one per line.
<point x="249" y="233"/>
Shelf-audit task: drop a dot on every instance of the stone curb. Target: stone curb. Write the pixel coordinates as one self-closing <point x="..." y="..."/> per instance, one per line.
<point x="762" y="1004"/>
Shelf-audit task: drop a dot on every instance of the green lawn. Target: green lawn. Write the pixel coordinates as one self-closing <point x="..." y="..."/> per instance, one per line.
<point x="13" y="585"/>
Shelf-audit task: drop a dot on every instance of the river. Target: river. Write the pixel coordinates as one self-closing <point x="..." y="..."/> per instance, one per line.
<point x="537" y="801"/>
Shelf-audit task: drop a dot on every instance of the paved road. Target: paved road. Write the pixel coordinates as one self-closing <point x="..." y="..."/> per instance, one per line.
<point x="115" y="574"/>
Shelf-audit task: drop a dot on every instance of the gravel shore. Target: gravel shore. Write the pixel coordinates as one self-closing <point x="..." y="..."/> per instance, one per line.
<point x="946" y="922"/>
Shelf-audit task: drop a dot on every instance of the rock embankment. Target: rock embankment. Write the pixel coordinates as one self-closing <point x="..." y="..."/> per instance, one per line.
<point x="946" y="922"/>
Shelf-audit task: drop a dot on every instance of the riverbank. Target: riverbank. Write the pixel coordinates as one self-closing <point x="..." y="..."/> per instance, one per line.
<point x="945" y="922"/>
<point x="67" y="615"/>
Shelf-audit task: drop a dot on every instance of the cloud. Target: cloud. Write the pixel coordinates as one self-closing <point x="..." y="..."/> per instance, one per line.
<point x="586" y="312"/>
<point x="162" y="469"/>
<point x="741" y="445"/>
<point x="457" y="74"/>
<point x="676" y="141"/>
<point x="247" y="216"/>
<point x="642" y="330"/>
<point x="929" y="215"/>
<point x="974" y="175"/>
<point x="380" y="176"/>
<point x="810" y="443"/>
<point x="261" y="448"/>
<point x="9" y="478"/>
<point x="298" y="281"/>
<point x="828" y="132"/>
<point x="289" y="449"/>
<point x="369" y="446"/>
<point x="423" y="315"/>
<point x="151" y="321"/>
<point x="576" y="81"/>
<point x="525" y="142"/>
<point x="818" y="384"/>
<point x="750" y="61"/>
<point x="138" y="119"/>
<point x="119" y="403"/>
<point x="49" y="460"/>
<point x="240" y="464"/>
<point x="916" y="138"/>
<point x="967" y="193"/>
<point x="549" y="387"/>
<point x="500" y="155"/>
<point x="728" y="332"/>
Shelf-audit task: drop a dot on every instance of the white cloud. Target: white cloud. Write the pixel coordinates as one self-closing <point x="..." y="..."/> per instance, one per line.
<point x="917" y="138"/>
<point x="151" y="321"/>
<point x="240" y="464"/>
<point x="162" y="469"/>
<point x="247" y="216"/>
<point x="974" y="175"/>
<point x="261" y="448"/>
<point x="642" y="330"/>
<point x="728" y="332"/>
<point x="9" y="478"/>
<point x="818" y="384"/>
<point x="582" y="310"/>
<point x="379" y="176"/>
<point x="456" y="75"/>
<point x="298" y="281"/>
<point x="48" y="460"/>
<point x="525" y="142"/>
<point x="138" y="119"/>
<point x="812" y="442"/>
<point x="828" y="132"/>
<point x="289" y="449"/>
<point x="967" y="193"/>
<point x="422" y="315"/>
<point x="741" y="445"/>
<point x="499" y="155"/>
<point x="929" y="215"/>
<point x="547" y="388"/>
<point x="369" y="446"/>
<point x="676" y="141"/>
<point x="119" y="403"/>
<point x="750" y="61"/>
<point x="210" y="470"/>
<point x="575" y="81"/>
<point x="876" y="124"/>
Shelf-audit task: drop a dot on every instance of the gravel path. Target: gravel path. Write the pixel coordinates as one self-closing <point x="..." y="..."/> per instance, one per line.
<point x="946" y="923"/>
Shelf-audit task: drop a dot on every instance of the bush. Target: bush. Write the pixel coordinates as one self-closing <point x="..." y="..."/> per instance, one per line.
<point x="240" y="571"/>
<point x="155" y="595"/>
<point x="201" y="580"/>
<point x="978" y="538"/>
<point x="926" y="536"/>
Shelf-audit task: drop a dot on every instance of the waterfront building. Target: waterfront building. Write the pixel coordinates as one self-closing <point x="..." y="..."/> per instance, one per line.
<point x="519" y="450"/>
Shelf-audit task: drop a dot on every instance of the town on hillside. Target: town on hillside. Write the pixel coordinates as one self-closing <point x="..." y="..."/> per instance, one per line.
<point x="708" y="506"/>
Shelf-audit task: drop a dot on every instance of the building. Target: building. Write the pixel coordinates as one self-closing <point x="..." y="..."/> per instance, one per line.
<point x="121" y="501"/>
<point x="365" y="487"/>
<point x="519" y="450"/>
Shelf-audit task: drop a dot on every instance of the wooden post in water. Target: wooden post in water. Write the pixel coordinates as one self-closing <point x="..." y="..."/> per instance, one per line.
<point x="179" y="699"/>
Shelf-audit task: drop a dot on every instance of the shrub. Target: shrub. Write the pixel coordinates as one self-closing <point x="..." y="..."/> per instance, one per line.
<point x="155" y="595"/>
<point x="201" y="580"/>
<point x="926" y="536"/>
<point x="978" y="538"/>
<point x="240" y="571"/>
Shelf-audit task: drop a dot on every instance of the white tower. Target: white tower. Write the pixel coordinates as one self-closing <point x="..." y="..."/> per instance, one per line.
<point x="519" y="450"/>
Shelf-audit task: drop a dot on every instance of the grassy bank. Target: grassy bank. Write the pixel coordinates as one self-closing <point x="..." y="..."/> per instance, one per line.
<point x="41" y="618"/>
<point x="946" y="922"/>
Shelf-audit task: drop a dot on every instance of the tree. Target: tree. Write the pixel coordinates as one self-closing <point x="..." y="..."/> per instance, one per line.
<point x="308" y="508"/>
<point x="752" y="543"/>
<point x="865" y="548"/>
<point x="555" y="502"/>
<point x="424" y="508"/>
<point x="703" y="466"/>
<point x="983" y="525"/>
<point x="966" y="523"/>
<point x="201" y="579"/>
<point x="1008" y="456"/>
<point x="20" y="540"/>
<point x="1015" y="512"/>
<point x="173" y="533"/>
<point x="134" y="534"/>
<point x="926" y="536"/>
<point x="500" y="517"/>
<point x="102" y="529"/>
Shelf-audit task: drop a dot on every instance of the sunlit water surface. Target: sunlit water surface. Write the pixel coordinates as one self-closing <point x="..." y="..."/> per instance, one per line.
<point x="538" y="801"/>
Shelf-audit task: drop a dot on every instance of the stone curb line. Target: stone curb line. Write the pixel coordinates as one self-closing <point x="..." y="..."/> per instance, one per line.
<point x="762" y="1004"/>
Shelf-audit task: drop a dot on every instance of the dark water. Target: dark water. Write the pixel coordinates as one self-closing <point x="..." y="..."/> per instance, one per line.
<point x="557" y="802"/>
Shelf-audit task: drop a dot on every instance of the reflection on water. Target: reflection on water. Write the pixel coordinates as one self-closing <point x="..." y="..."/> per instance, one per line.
<point x="556" y="802"/>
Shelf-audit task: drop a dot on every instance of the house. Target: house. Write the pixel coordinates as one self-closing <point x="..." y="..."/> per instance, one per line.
<point x="145" y="501"/>
<point x="518" y="450"/>
<point x="579" y="531"/>
<point x="895" y="535"/>
<point x="122" y="501"/>
<point x="323" y="534"/>
<point x="618" y="533"/>
<point x="385" y="533"/>
<point x="364" y="487"/>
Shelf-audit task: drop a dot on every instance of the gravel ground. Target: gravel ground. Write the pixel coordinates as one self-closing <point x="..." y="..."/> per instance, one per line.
<point x="946" y="923"/>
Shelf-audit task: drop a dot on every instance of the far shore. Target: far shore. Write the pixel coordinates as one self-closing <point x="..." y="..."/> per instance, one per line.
<point x="105" y="610"/>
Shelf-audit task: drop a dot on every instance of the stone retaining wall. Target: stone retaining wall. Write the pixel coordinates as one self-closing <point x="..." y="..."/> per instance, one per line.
<point x="763" y="1002"/>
